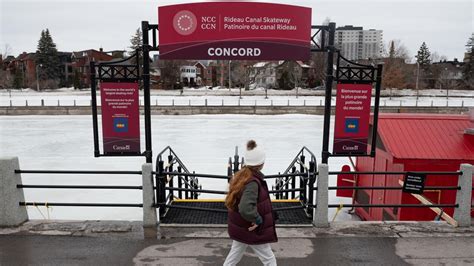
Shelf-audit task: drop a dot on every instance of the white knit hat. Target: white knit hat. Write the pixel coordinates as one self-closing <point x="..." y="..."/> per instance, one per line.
<point x="253" y="155"/>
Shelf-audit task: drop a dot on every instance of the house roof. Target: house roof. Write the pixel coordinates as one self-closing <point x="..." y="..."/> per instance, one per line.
<point x="427" y="136"/>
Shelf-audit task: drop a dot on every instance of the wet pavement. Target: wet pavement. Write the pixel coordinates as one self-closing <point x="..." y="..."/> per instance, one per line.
<point x="123" y="243"/>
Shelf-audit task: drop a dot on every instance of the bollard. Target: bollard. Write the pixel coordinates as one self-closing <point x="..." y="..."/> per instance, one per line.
<point x="11" y="103"/>
<point x="42" y="102"/>
<point x="149" y="209"/>
<point x="462" y="214"/>
<point x="205" y="102"/>
<point x="172" y="102"/>
<point x="222" y="102"/>
<point x="320" y="102"/>
<point x="462" y="103"/>
<point x="156" y="102"/>
<point x="320" y="216"/>
<point x="431" y="103"/>
<point x="12" y="214"/>
<point x="59" y="103"/>
<point x="74" y="102"/>
<point x="304" y="102"/>
<point x="189" y="102"/>
<point x="26" y="102"/>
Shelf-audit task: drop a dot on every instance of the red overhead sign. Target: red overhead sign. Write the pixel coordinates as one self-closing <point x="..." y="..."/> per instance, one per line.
<point x="351" y="129"/>
<point x="234" y="30"/>
<point x="120" y="117"/>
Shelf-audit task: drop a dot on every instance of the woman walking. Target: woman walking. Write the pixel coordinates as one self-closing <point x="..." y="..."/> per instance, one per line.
<point x="250" y="216"/>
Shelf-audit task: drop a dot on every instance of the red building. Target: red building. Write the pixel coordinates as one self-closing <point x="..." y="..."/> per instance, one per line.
<point x="414" y="142"/>
<point x="25" y="63"/>
<point x="81" y="62"/>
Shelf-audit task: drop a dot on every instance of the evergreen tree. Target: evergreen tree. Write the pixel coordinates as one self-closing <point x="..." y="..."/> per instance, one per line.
<point x="77" y="80"/>
<point x="48" y="60"/>
<point x="136" y="43"/>
<point x="424" y="56"/>
<point x="391" y="52"/>
<point x="468" y="70"/>
<point x="17" y="80"/>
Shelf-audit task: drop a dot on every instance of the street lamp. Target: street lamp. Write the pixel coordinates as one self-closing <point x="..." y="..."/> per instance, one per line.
<point x="229" y="74"/>
<point x="417" y="76"/>
<point x="37" y="78"/>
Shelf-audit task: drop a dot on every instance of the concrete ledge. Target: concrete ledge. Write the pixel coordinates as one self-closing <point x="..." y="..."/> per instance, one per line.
<point x="134" y="229"/>
<point x="195" y="110"/>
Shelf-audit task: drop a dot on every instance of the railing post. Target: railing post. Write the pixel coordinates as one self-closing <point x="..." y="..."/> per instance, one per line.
<point x="302" y="179"/>
<point x="236" y="160"/>
<point x="195" y="186"/>
<point x="462" y="214"/>
<point x="12" y="214"/>
<point x="311" y="180"/>
<point x="161" y="192"/>
<point x="229" y="170"/>
<point x="293" y="182"/>
<point x="149" y="208"/>
<point x="170" y="169"/>
<point x="320" y="217"/>
<point x="186" y="186"/>
<point x="278" y="186"/>
<point x="180" y="183"/>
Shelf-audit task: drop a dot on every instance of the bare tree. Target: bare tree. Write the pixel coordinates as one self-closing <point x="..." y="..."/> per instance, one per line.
<point x="6" y="78"/>
<point x="395" y="49"/>
<point x="435" y="57"/>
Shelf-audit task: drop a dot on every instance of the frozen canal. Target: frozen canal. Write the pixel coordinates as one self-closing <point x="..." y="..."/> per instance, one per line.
<point x="203" y="142"/>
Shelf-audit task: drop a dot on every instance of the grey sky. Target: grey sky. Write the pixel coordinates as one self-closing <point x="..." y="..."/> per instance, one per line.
<point x="82" y="24"/>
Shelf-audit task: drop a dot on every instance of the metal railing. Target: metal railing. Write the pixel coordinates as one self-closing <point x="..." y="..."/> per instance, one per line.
<point x="310" y="101"/>
<point x="75" y="172"/>
<point x="298" y="172"/>
<point x="165" y="176"/>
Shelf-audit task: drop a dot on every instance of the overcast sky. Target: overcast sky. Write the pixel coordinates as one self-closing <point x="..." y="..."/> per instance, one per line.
<point x="83" y="24"/>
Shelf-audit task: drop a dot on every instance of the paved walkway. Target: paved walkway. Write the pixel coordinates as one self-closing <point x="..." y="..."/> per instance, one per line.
<point x="120" y="243"/>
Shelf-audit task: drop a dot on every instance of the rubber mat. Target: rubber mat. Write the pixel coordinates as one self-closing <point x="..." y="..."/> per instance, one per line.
<point x="183" y="216"/>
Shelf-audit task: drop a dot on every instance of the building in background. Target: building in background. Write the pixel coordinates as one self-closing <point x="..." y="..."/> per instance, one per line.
<point x="188" y="75"/>
<point x="356" y="43"/>
<point x="81" y="63"/>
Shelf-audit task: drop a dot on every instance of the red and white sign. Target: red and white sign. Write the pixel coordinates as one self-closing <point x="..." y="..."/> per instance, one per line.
<point x="351" y="129"/>
<point x="234" y="30"/>
<point x="120" y="117"/>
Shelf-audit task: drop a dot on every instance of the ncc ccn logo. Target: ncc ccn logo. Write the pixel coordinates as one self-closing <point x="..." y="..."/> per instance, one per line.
<point x="185" y="22"/>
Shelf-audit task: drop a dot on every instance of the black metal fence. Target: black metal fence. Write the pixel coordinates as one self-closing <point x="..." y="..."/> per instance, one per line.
<point x="76" y="172"/>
